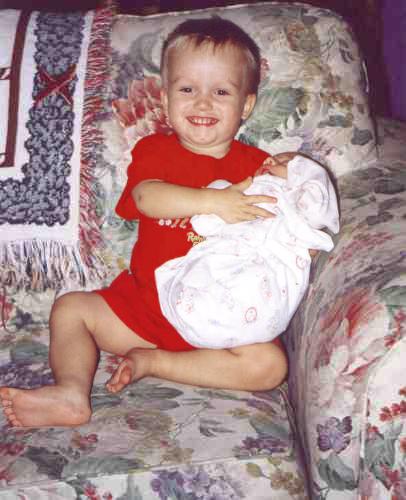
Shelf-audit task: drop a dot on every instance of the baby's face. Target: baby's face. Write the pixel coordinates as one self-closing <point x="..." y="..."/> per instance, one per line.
<point x="205" y="96"/>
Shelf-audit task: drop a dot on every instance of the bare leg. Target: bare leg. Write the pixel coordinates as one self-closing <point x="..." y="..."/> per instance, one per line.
<point x="73" y="359"/>
<point x="253" y="367"/>
<point x="81" y="324"/>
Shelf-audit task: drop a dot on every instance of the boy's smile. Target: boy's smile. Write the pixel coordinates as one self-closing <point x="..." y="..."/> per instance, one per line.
<point x="202" y="121"/>
<point x="205" y="97"/>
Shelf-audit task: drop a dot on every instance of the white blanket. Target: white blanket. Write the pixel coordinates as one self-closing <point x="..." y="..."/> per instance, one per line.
<point x="243" y="284"/>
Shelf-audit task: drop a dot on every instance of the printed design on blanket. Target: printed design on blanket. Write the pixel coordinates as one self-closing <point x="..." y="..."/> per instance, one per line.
<point x="47" y="199"/>
<point x="43" y="194"/>
<point x="11" y="75"/>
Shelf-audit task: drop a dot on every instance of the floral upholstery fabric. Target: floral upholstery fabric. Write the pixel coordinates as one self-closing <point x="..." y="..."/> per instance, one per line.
<point x="345" y="403"/>
<point x="347" y="342"/>
<point x="337" y="429"/>
<point x="312" y="96"/>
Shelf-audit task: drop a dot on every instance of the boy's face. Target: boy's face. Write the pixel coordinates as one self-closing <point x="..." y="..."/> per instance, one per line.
<point x="205" y="96"/>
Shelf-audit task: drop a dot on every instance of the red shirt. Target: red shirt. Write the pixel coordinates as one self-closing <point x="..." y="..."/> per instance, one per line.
<point x="133" y="297"/>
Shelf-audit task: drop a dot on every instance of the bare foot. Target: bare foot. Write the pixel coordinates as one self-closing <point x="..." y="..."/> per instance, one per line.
<point x="131" y="368"/>
<point x="44" y="407"/>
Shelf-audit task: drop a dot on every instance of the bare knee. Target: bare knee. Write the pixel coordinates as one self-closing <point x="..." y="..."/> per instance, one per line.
<point x="265" y="365"/>
<point x="73" y="307"/>
<point x="69" y="301"/>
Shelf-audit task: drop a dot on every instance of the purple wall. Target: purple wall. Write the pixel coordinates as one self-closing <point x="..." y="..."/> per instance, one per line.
<point x="394" y="26"/>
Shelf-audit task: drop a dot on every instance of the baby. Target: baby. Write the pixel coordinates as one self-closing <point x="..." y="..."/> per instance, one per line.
<point x="243" y="284"/>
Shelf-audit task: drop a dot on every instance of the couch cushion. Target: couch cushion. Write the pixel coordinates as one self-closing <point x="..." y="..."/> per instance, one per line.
<point x="156" y="439"/>
<point x="53" y="72"/>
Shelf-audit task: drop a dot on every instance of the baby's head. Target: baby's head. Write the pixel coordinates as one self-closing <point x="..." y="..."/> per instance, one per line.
<point x="214" y="33"/>
<point x="210" y="72"/>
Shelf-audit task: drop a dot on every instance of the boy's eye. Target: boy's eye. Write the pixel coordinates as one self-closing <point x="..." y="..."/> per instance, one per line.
<point x="186" y="90"/>
<point x="222" y="92"/>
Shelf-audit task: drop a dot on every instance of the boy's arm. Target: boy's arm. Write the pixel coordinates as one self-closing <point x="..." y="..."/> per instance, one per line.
<point x="161" y="200"/>
<point x="158" y="199"/>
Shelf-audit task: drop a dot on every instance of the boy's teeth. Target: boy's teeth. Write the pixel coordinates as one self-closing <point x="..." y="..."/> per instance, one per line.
<point x="202" y="121"/>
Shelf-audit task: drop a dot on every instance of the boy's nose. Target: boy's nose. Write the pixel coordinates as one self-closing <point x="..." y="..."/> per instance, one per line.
<point x="203" y="101"/>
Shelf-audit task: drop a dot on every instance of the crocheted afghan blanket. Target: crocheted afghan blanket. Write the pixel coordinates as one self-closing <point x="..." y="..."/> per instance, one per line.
<point x="52" y="71"/>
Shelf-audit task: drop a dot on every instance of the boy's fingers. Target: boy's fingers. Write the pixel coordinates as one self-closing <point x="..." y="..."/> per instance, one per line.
<point x="259" y="212"/>
<point x="266" y="213"/>
<point x="254" y="199"/>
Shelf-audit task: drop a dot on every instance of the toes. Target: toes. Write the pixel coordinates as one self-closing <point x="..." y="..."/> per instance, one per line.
<point x="11" y="418"/>
<point x="112" y="382"/>
<point x="126" y="374"/>
<point x="114" y="387"/>
<point x="5" y="396"/>
<point x="6" y="404"/>
<point x="120" y="378"/>
<point x="15" y="422"/>
<point x="8" y="411"/>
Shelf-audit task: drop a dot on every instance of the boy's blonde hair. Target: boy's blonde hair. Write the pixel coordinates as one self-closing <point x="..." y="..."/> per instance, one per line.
<point x="216" y="32"/>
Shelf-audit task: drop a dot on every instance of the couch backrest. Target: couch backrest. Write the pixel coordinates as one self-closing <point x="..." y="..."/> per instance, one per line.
<point x="312" y="96"/>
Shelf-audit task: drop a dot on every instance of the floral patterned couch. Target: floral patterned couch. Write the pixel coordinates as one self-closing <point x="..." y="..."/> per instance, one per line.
<point x="337" y="428"/>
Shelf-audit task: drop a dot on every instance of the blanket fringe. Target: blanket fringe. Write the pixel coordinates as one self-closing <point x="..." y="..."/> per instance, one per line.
<point x="97" y="73"/>
<point x="41" y="264"/>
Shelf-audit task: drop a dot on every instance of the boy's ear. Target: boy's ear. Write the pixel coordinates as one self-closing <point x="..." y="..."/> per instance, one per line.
<point x="164" y="100"/>
<point x="250" y="101"/>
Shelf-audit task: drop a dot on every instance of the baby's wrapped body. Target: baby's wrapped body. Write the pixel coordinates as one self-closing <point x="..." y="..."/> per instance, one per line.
<point x="244" y="282"/>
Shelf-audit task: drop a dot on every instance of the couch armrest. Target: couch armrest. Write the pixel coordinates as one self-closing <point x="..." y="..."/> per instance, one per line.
<point x="347" y="342"/>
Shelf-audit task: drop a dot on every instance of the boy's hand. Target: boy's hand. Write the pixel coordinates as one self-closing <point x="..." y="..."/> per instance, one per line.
<point x="232" y="205"/>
